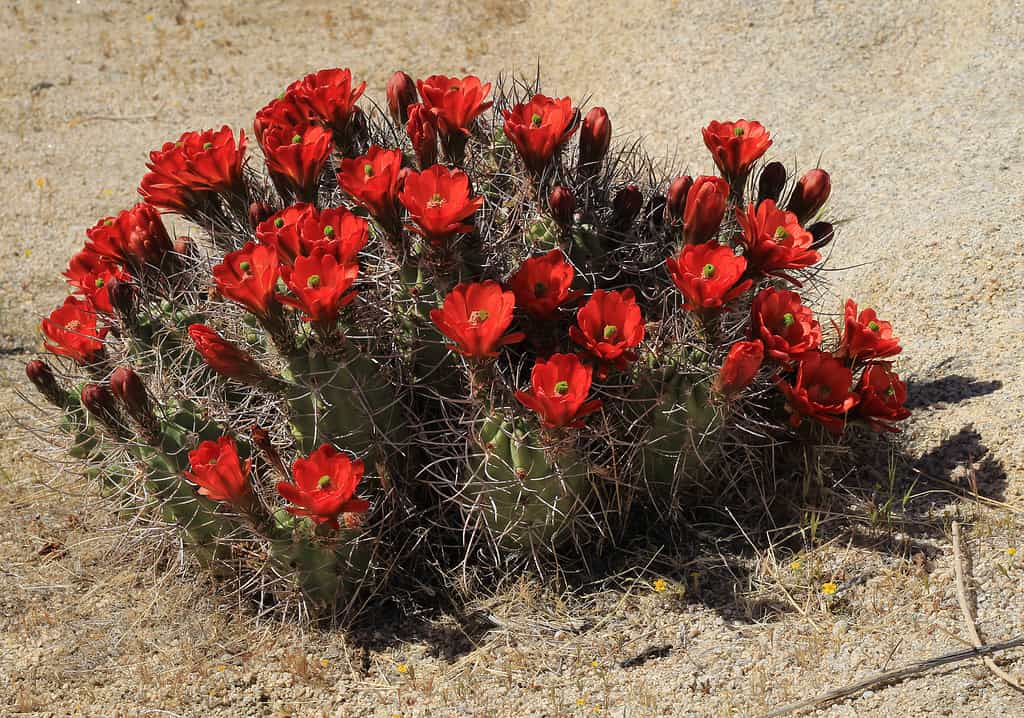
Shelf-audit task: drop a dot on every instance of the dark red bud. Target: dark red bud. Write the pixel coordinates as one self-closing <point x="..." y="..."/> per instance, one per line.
<point x="122" y="297"/>
<point x="261" y="440"/>
<point x="595" y="137"/>
<point x="823" y="232"/>
<point x="562" y="204"/>
<point x="100" y="403"/>
<point x="401" y="92"/>
<point x="675" y="201"/>
<point x="41" y="376"/>
<point x="128" y="387"/>
<point x="259" y="212"/>
<point x="626" y="205"/>
<point x="771" y="182"/>
<point x="810" y="194"/>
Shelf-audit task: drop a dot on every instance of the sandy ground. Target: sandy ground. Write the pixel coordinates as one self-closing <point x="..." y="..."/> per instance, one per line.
<point x="913" y="107"/>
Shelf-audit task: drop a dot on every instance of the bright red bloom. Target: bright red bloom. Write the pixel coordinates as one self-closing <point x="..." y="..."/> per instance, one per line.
<point x="248" y="276"/>
<point x="91" y="275"/>
<point x="135" y="236"/>
<point x="328" y="96"/>
<point x="372" y="181"/>
<point x="704" y="209"/>
<point x="325" y="486"/>
<point x="283" y="111"/>
<point x="558" y="391"/>
<point x="199" y="162"/>
<point x="736" y="146"/>
<point x="475" y="316"/>
<point x="72" y="331"/>
<point x="708" y="275"/>
<point x="541" y="284"/>
<point x="740" y="367"/>
<point x="454" y="102"/>
<point x="882" y="397"/>
<point x="422" y="131"/>
<point x="319" y="285"/>
<point x="595" y="137"/>
<point x="773" y="240"/>
<point x="822" y="390"/>
<point x="865" y="336"/>
<point x="401" y="94"/>
<point x="539" y="127"/>
<point x="810" y="194"/>
<point x="784" y="324"/>
<point x="609" y="326"/>
<point x="224" y="357"/>
<point x="296" y="156"/>
<point x="439" y="202"/>
<point x="219" y="473"/>
<point x="298" y="230"/>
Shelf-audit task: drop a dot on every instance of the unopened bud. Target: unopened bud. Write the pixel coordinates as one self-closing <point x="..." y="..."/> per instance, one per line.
<point x="401" y="92"/>
<point x="127" y="386"/>
<point x="42" y="378"/>
<point x="675" y="200"/>
<point x="100" y="403"/>
<point x="771" y="182"/>
<point x="562" y="204"/>
<point x="823" y="232"/>
<point x="810" y="194"/>
<point x="259" y="212"/>
<point x="595" y="137"/>
<point x="626" y="205"/>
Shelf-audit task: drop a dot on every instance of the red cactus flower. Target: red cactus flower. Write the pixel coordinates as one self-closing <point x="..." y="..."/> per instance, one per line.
<point x="319" y="285"/>
<point x="539" y="127"/>
<point x="735" y="146"/>
<point x="372" y="181"/>
<point x="704" y="209"/>
<point x="90" y="275"/>
<point x="708" y="275"/>
<point x="72" y="331"/>
<point x="298" y="230"/>
<point x="882" y="397"/>
<point x="541" y="284"/>
<point x="329" y="97"/>
<point x="224" y="357"/>
<point x="822" y="390"/>
<point x="199" y="162"/>
<point x="248" y="276"/>
<point x="609" y="326"/>
<point x="422" y="131"/>
<point x="401" y="94"/>
<point x="439" y="202"/>
<point x="135" y="236"/>
<point x="773" y="240"/>
<point x="810" y="194"/>
<point x="296" y="156"/>
<point x="219" y="473"/>
<point x="865" y="336"/>
<point x="784" y="324"/>
<point x="595" y="137"/>
<point x="284" y="111"/>
<point x="740" y="367"/>
<point x="325" y="487"/>
<point x="475" y="316"/>
<point x="455" y="103"/>
<point x="558" y="391"/>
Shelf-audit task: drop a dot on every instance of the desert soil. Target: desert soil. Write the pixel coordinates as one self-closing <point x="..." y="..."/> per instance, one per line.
<point x="915" y="109"/>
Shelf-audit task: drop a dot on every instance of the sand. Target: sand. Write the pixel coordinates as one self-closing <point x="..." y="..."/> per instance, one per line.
<point x="915" y="109"/>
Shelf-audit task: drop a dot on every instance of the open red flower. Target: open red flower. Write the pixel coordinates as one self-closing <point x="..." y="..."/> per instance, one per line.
<point x="224" y="357"/>
<point x="773" y="240"/>
<point x="325" y="486"/>
<point x="735" y="146"/>
<point x="296" y="156"/>
<point x="539" y="127"/>
<point x="865" y="336"/>
<point x="298" y="230"/>
<point x="821" y="390"/>
<point x="90" y="275"/>
<point x="454" y="102"/>
<point x="329" y="97"/>
<point x="882" y="397"/>
<point x="708" y="275"/>
<point x="422" y="131"/>
<point x="372" y="181"/>
<point x="199" y="162"/>
<point x="284" y="111"/>
<point x="319" y="285"/>
<point x="784" y="324"/>
<point x="219" y="473"/>
<point x="541" y="284"/>
<point x="248" y="276"/>
<point x="439" y="202"/>
<point x="740" y="367"/>
<point x="475" y="316"/>
<point x="609" y="326"/>
<point x="72" y="331"/>
<point x="704" y="209"/>
<point x="135" y="236"/>
<point x="558" y="391"/>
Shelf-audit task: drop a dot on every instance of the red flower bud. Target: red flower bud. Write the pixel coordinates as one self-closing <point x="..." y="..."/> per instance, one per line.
<point x="595" y="137"/>
<point x="219" y="473"/>
<point x="539" y="127"/>
<point x="675" y="200"/>
<point x="261" y="440"/>
<point x="129" y="388"/>
<point x="475" y="316"/>
<point x="784" y="324"/>
<point x="823" y="233"/>
<point x="708" y="275"/>
<point x="325" y="486"/>
<point x="609" y="326"/>
<point x="562" y="205"/>
<point x="224" y="357"/>
<point x="42" y="378"/>
<point x="810" y="194"/>
<point x="401" y="92"/>
<point x="422" y="131"/>
<point x="626" y="205"/>
<point x="558" y="391"/>
<point x="771" y="182"/>
<point x="259" y="212"/>
<point x="100" y="403"/>
<point x="740" y="367"/>
<point x="705" y="208"/>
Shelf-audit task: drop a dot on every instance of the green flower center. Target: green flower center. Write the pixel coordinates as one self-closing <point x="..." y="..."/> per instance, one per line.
<point x="99" y="282"/>
<point x="891" y="391"/>
<point x="207" y="145"/>
<point x="873" y="326"/>
<point x="279" y="222"/>
<point x="244" y="266"/>
<point x="436" y="200"/>
<point x="296" y="139"/>
<point x="708" y="271"/>
<point x="314" y="281"/>
<point x="478" y="317"/>
<point x="737" y="131"/>
<point x="788" y="319"/>
<point x="328" y="231"/>
<point x="536" y="120"/>
<point x="540" y="289"/>
<point x="368" y="170"/>
<point x="561" y="388"/>
<point x="324" y="483"/>
<point x="610" y="330"/>
<point x="780" y="233"/>
<point x="108" y="223"/>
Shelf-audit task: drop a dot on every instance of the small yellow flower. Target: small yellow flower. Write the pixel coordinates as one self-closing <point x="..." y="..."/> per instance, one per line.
<point x="324" y="662"/>
<point x="581" y="701"/>
<point x="149" y="18"/>
<point x="200" y="24"/>
<point x="796" y="565"/>
<point x="40" y="182"/>
<point x="221" y="669"/>
<point x="660" y="586"/>
<point x="829" y="588"/>
<point x="28" y="252"/>
<point x="1011" y="552"/>
<point x="402" y="668"/>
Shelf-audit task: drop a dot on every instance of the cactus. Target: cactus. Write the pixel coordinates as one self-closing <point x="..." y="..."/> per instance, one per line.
<point x="473" y="324"/>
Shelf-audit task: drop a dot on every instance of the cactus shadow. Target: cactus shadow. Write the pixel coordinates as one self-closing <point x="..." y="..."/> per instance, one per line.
<point x="951" y="389"/>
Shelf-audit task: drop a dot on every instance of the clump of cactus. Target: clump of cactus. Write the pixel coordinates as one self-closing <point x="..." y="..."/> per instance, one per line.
<point x="469" y="333"/>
